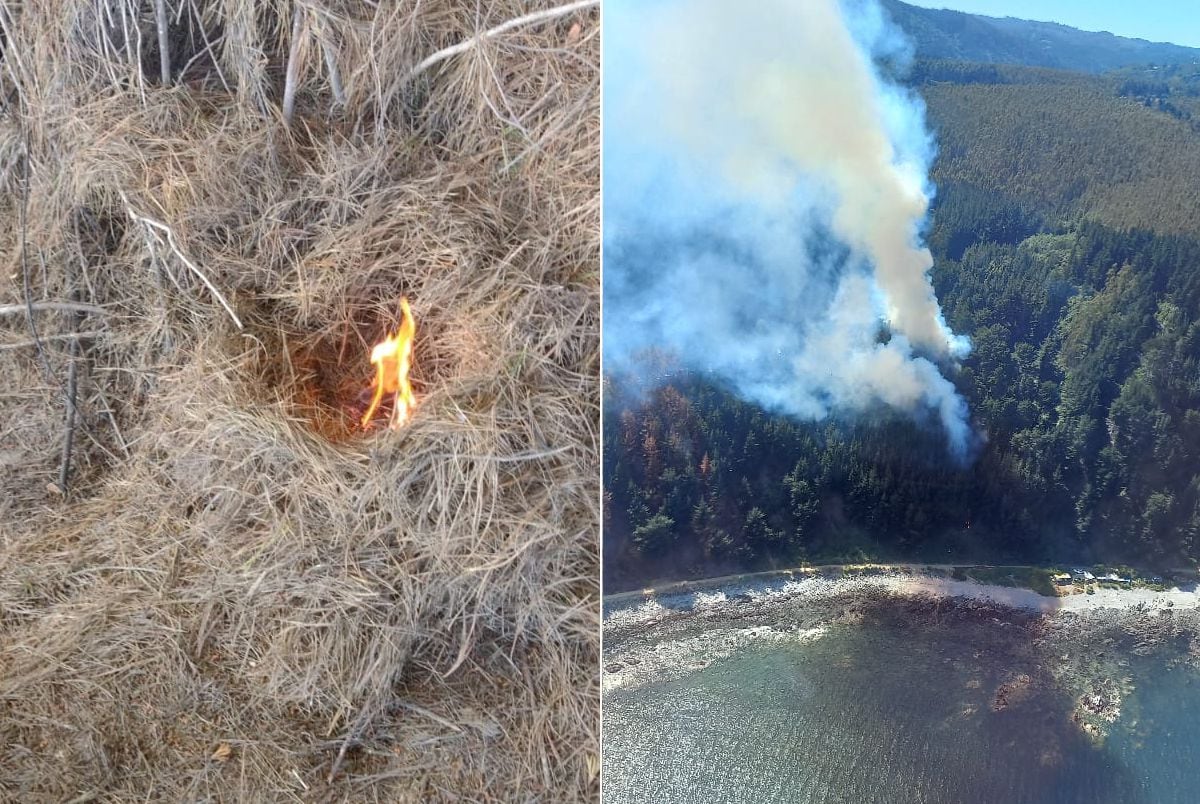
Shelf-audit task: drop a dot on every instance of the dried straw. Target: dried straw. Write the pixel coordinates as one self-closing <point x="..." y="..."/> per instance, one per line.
<point x="238" y="600"/>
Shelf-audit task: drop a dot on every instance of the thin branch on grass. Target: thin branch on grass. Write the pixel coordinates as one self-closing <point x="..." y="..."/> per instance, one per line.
<point x="331" y="66"/>
<point x="510" y="119"/>
<point x="353" y="737"/>
<point x="61" y="336"/>
<point x="137" y="53"/>
<point x="12" y="58"/>
<point x="432" y="716"/>
<point x="154" y="225"/>
<point x="22" y="225"/>
<point x="153" y="244"/>
<point x="64" y="467"/>
<point x="69" y="395"/>
<point x="524" y="456"/>
<point x="164" y="44"/>
<point x="206" y="52"/>
<point x="328" y="41"/>
<point x="103" y="36"/>
<point x="208" y="48"/>
<point x="30" y="305"/>
<point x="341" y="757"/>
<point x="528" y="19"/>
<point x="112" y="419"/>
<point x="293" y="65"/>
<point x="64" y="307"/>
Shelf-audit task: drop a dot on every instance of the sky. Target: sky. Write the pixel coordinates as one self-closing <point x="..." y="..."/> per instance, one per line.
<point x="1176" y="21"/>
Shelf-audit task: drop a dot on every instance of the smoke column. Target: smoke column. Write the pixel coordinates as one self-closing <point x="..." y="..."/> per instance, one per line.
<point x="765" y="190"/>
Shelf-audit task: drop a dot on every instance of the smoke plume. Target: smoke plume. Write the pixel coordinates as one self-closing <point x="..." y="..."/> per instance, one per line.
<point x="765" y="190"/>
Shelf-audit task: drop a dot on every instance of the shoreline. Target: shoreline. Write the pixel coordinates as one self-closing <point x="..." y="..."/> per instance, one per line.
<point x="902" y="579"/>
<point x="675" y="630"/>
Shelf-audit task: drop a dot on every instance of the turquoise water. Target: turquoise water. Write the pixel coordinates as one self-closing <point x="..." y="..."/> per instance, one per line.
<point x="1162" y="748"/>
<point x="891" y="711"/>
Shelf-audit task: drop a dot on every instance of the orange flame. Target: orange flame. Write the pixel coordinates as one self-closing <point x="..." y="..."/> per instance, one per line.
<point x="392" y="358"/>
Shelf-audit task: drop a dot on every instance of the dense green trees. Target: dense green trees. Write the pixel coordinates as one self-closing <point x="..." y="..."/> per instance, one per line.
<point x="1085" y="378"/>
<point x="1065" y="151"/>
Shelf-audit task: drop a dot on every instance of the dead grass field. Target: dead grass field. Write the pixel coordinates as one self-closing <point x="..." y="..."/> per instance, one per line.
<point x="238" y="596"/>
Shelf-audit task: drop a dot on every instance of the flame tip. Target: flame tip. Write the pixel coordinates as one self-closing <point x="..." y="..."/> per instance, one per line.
<point x="392" y="358"/>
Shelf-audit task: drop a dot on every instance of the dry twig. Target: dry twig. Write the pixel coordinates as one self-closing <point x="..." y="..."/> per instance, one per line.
<point x="154" y="227"/>
<point x="59" y="336"/>
<point x="164" y="42"/>
<point x="329" y="49"/>
<point x="293" y="63"/>
<point x="65" y="307"/>
<point x="64" y="470"/>
<point x="531" y="18"/>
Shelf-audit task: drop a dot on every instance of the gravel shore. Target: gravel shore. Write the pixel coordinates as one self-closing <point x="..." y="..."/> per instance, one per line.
<point x="630" y="609"/>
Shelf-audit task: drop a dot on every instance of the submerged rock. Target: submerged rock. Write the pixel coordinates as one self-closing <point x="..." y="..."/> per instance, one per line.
<point x="1013" y="691"/>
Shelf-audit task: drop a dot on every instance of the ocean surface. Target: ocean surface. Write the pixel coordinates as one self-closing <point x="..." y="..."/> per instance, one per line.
<point x="894" y="708"/>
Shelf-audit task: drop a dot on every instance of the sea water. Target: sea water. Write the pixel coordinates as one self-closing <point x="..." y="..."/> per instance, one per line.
<point x="888" y="710"/>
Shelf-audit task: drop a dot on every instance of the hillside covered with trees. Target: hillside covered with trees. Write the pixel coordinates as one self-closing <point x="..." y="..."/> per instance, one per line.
<point x="947" y="34"/>
<point x="1066" y="234"/>
<point x="1122" y="149"/>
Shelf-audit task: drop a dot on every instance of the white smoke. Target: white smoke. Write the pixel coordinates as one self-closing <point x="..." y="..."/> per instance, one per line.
<point x="765" y="191"/>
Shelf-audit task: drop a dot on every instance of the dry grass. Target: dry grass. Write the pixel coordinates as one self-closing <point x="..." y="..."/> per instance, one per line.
<point x="239" y="598"/>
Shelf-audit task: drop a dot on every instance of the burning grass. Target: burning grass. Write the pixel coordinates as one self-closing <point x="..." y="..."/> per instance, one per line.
<point x="237" y="594"/>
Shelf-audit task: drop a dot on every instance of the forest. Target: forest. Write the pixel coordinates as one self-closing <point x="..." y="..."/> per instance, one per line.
<point x="946" y="34"/>
<point x="1067" y="246"/>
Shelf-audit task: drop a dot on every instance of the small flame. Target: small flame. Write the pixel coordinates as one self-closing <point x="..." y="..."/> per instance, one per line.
<point x="392" y="358"/>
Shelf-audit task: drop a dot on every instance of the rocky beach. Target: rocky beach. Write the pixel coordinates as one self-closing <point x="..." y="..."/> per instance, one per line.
<point x="1057" y="680"/>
